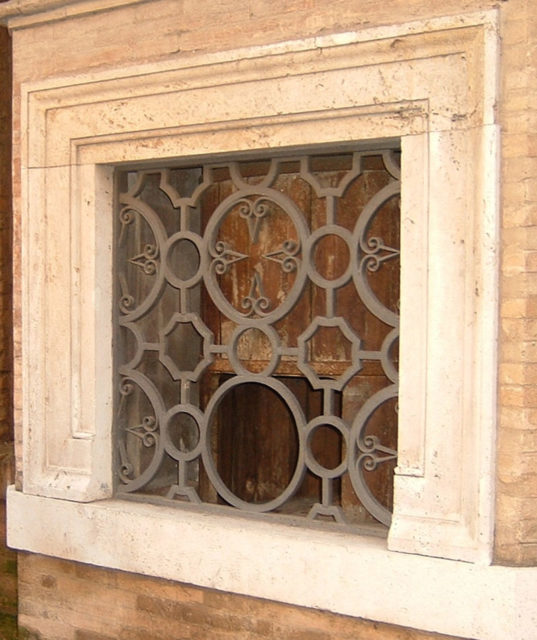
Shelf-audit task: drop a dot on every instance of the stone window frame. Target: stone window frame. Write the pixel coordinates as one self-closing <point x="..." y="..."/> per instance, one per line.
<point x="433" y="86"/>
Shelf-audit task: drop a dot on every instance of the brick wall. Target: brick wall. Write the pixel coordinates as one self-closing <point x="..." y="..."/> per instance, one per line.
<point x="8" y="585"/>
<point x="516" y="518"/>
<point x="8" y="559"/>
<point x="6" y="370"/>
<point x="65" y="600"/>
<point x="71" y="601"/>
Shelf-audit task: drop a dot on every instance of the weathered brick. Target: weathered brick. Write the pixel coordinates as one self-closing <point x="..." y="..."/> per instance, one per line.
<point x="31" y="628"/>
<point x="519" y="168"/>
<point x="520" y="284"/>
<point x="518" y="396"/>
<point x="90" y="635"/>
<point x="515" y="351"/>
<point x="523" y="329"/>
<point x="515" y="33"/>
<point x="513" y="260"/>
<point x="524" y="238"/>
<point x="308" y="634"/>
<point x="518" y="440"/>
<point x="513" y="373"/>
<point x="48" y="581"/>
<point x="515" y="114"/>
<point x="524" y="485"/>
<point x="514" y="308"/>
<point x="530" y="189"/>
<point x="517" y="418"/>
<point x="91" y="574"/>
<point x="531" y="261"/>
<point x="520" y="507"/>
<point x="516" y="554"/>
<point x="221" y="616"/>
<point x="201" y="616"/>
<point x="528" y="531"/>
<point x="143" y="585"/>
<point x="512" y="466"/>
<point x="137" y="633"/>
<point x="519" y="214"/>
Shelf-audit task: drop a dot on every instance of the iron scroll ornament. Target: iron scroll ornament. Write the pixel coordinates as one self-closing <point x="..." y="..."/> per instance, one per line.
<point x="156" y="299"/>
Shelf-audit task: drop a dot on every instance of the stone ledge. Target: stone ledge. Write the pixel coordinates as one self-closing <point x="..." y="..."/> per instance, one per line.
<point x="254" y="557"/>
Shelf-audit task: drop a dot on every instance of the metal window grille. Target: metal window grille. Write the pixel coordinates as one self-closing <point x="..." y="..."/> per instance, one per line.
<point x="257" y="333"/>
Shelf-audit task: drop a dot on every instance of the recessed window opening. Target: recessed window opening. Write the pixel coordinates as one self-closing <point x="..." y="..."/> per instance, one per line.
<point x="257" y="333"/>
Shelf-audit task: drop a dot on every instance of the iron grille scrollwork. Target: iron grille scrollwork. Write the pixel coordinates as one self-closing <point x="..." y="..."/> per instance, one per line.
<point x="251" y="295"/>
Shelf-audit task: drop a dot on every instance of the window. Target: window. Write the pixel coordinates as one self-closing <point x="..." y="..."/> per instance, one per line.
<point x="431" y="85"/>
<point x="258" y="330"/>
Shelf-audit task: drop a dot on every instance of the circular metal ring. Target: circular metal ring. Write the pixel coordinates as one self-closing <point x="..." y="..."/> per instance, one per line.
<point x="208" y="461"/>
<point x="169" y="446"/>
<point x="311" y="462"/>
<point x="210" y="237"/>
<point x="171" y="277"/>
<point x="309" y="247"/>
<point x="273" y="338"/>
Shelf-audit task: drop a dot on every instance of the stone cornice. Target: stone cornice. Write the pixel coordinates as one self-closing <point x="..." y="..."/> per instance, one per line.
<point x="18" y="14"/>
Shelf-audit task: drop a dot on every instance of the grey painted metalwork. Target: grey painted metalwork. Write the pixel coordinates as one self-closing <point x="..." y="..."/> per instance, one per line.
<point x="169" y="261"/>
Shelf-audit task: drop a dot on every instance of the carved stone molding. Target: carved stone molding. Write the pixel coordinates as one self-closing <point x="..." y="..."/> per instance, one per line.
<point x="432" y="86"/>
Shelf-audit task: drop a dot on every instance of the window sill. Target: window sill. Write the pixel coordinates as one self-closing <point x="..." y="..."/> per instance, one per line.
<point x="345" y="573"/>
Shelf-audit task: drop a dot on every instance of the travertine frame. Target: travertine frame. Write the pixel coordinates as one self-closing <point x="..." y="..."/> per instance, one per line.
<point x="432" y="86"/>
